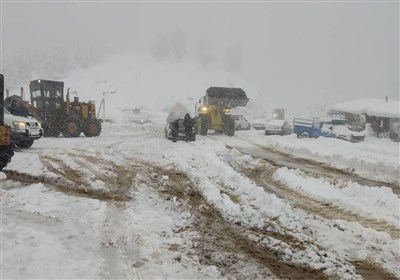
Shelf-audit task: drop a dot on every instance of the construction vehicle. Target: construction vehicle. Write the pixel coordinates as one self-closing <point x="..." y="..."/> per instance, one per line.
<point x="6" y="146"/>
<point x="62" y="116"/>
<point x="278" y="114"/>
<point x="213" y="109"/>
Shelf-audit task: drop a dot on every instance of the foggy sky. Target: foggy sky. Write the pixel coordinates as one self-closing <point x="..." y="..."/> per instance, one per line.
<point x="294" y="51"/>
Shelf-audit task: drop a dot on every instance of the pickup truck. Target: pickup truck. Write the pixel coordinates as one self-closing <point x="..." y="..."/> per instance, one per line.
<point x="24" y="129"/>
<point x="309" y="127"/>
<point x="326" y="127"/>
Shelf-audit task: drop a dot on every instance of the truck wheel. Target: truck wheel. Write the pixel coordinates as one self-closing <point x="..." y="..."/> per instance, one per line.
<point x="51" y="127"/>
<point x="24" y="143"/>
<point x="304" y="135"/>
<point x="229" y="126"/>
<point x="71" y="128"/>
<point x="48" y="132"/>
<point x="203" y="126"/>
<point x="6" y="153"/>
<point x="92" y="127"/>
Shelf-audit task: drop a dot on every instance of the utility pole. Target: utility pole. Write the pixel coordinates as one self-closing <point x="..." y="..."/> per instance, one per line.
<point x="103" y="104"/>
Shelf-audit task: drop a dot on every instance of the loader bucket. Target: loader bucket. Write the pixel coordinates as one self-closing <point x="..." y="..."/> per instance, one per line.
<point x="226" y="97"/>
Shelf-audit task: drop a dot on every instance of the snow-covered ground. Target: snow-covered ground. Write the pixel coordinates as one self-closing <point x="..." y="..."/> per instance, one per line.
<point x="132" y="204"/>
<point x="374" y="158"/>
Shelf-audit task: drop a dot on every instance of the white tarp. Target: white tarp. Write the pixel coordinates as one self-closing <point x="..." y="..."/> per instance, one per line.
<point x="178" y="111"/>
<point x="370" y="106"/>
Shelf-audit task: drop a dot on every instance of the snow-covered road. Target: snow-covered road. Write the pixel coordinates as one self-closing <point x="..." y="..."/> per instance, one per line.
<point x="131" y="204"/>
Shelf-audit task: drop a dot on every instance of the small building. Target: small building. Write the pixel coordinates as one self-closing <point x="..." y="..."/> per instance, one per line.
<point x="383" y="115"/>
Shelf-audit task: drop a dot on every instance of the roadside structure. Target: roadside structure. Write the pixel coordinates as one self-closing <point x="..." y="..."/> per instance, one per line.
<point x="383" y="115"/>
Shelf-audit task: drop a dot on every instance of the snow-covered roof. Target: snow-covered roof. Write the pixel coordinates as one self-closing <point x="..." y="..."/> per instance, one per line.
<point x="276" y="122"/>
<point x="370" y="106"/>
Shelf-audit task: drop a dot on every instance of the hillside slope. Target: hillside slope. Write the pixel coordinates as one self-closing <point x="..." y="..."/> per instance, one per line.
<point x="142" y="81"/>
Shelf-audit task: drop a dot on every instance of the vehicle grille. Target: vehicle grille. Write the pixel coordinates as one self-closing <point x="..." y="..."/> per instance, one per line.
<point x="32" y="124"/>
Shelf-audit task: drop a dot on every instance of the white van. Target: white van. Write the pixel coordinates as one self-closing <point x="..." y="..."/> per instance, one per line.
<point x="24" y="129"/>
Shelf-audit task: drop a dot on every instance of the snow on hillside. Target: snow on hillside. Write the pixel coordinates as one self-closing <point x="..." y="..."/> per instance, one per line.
<point x="142" y="81"/>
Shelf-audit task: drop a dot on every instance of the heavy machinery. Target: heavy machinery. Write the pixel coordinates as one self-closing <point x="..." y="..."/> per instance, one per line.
<point x="278" y="114"/>
<point x="58" y="116"/>
<point x="213" y="108"/>
<point x="6" y="147"/>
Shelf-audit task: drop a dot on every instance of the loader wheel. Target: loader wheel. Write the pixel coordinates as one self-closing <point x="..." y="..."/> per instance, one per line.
<point x="92" y="127"/>
<point x="50" y="128"/>
<point x="48" y="132"/>
<point x="24" y="144"/>
<point x="71" y="128"/>
<point x="203" y="126"/>
<point x="229" y="126"/>
<point x="6" y="153"/>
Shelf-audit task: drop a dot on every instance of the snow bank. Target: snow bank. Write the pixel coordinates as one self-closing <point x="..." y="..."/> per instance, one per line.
<point x="374" y="158"/>
<point x="378" y="202"/>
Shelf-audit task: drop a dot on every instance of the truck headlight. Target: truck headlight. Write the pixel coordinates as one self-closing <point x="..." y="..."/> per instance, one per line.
<point x="204" y="109"/>
<point x="19" y="125"/>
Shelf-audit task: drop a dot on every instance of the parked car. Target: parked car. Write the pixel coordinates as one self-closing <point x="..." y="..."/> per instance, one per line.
<point x="278" y="127"/>
<point x="175" y="122"/>
<point x="258" y="124"/>
<point x="24" y="129"/>
<point x="241" y="123"/>
<point x="136" y="116"/>
<point x="341" y="131"/>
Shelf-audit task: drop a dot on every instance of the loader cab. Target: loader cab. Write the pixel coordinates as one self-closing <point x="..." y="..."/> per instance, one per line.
<point x="47" y="96"/>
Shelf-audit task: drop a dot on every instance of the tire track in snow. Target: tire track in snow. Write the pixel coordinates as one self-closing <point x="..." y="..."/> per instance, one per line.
<point x="117" y="248"/>
<point x="321" y="208"/>
<point x="263" y="177"/>
<point x="76" y="182"/>
<point x="280" y="159"/>
<point x="219" y="235"/>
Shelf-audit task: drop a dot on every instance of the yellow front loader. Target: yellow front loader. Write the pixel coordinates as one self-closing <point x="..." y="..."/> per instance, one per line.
<point x="213" y="109"/>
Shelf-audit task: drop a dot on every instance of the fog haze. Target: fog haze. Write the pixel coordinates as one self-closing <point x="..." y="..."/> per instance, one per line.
<point x="295" y="53"/>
